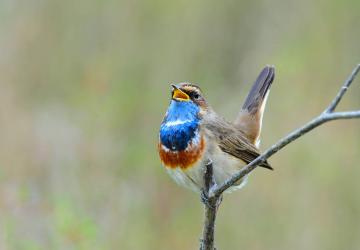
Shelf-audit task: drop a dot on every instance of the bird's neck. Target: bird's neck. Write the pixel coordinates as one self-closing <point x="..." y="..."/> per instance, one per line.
<point x="180" y="126"/>
<point x="181" y="110"/>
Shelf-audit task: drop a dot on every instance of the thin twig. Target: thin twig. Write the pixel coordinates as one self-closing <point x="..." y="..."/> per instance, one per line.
<point x="343" y="115"/>
<point x="214" y="194"/>
<point x="343" y="90"/>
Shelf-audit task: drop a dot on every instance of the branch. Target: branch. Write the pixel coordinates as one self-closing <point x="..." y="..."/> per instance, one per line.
<point x="210" y="206"/>
<point x="326" y="116"/>
<point x="212" y="195"/>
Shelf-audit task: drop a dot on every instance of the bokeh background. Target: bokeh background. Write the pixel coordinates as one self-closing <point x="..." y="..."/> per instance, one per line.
<point x="85" y="84"/>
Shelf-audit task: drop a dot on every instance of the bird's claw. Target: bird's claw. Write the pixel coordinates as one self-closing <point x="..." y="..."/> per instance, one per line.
<point x="210" y="202"/>
<point x="205" y="199"/>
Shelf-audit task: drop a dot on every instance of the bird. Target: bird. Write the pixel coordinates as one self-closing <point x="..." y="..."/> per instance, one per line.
<point x="192" y="134"/>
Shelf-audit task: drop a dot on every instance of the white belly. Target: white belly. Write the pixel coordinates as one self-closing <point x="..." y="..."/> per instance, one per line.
<point x="224" y="166"/>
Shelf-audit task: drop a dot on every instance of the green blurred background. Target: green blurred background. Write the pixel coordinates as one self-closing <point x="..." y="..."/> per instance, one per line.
<point x="85" y="84"/>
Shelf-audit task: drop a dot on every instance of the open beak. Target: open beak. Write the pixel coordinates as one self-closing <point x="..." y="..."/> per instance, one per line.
<point x="179" y="95"/>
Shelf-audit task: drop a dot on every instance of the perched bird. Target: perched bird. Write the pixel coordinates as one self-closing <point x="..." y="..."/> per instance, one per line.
<point x="192" y="134"/>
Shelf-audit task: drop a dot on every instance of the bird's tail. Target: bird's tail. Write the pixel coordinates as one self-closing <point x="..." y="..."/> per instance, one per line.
<point x="250" y="117"/>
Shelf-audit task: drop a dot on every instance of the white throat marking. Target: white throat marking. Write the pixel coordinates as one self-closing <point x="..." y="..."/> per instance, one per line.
<point x="176" y="122"/>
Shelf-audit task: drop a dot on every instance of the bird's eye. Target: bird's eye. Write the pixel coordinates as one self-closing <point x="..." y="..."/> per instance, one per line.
<point x="196" y="96"/>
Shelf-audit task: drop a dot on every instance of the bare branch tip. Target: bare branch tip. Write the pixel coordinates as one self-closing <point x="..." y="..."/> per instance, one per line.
<point x="356" y="70"/>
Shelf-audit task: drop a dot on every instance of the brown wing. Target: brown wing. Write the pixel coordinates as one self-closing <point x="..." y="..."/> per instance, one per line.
<point x="250" y="117"/>
<point x="232" y="141"/>
<point x="236" y="147"/>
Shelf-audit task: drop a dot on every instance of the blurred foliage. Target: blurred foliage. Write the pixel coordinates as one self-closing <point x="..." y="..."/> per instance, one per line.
<point x="84" y="86"/>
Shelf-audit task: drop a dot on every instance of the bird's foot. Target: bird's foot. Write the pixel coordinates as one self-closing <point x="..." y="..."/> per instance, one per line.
<point x="210" y="202"/>
<point x="205" y="200"/>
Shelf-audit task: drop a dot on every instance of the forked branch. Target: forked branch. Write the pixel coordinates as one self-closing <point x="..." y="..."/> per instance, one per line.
<point x="214" y="194"/>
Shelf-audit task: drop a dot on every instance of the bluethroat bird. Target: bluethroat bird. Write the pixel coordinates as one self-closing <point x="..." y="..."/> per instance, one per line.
<point x="192" y="134"/>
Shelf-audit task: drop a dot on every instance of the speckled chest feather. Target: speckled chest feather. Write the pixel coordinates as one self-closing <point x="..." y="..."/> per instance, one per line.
<point x="181" y="143"/>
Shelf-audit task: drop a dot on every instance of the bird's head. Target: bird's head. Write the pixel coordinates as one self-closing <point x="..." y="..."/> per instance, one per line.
<point x="187" y="92"/>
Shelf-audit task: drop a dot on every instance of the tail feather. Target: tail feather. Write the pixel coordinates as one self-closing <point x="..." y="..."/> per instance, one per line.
<point x="249" y="119"/>
<point x="259" y="90"/>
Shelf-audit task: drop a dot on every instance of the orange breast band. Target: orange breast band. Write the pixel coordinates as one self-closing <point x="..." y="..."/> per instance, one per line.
<point x="183" y="159"/>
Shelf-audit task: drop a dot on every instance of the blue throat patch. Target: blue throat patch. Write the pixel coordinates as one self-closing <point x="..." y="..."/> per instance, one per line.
<point x="180" y="125"/>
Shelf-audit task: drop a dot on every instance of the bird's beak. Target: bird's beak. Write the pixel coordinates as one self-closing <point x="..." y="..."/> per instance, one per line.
<point x="179" y="95"/>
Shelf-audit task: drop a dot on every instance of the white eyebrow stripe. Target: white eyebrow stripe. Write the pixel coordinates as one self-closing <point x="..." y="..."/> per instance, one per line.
<point x="176" y="122"/>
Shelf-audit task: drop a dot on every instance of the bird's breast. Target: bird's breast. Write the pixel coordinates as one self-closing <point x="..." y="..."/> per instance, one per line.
<point x="183" y="159"/>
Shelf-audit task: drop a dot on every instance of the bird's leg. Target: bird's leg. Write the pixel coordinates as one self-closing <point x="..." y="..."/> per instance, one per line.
<point x="210" y="202"/>
<point x="209" y="180"/>
<point x="205" y="200"/>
